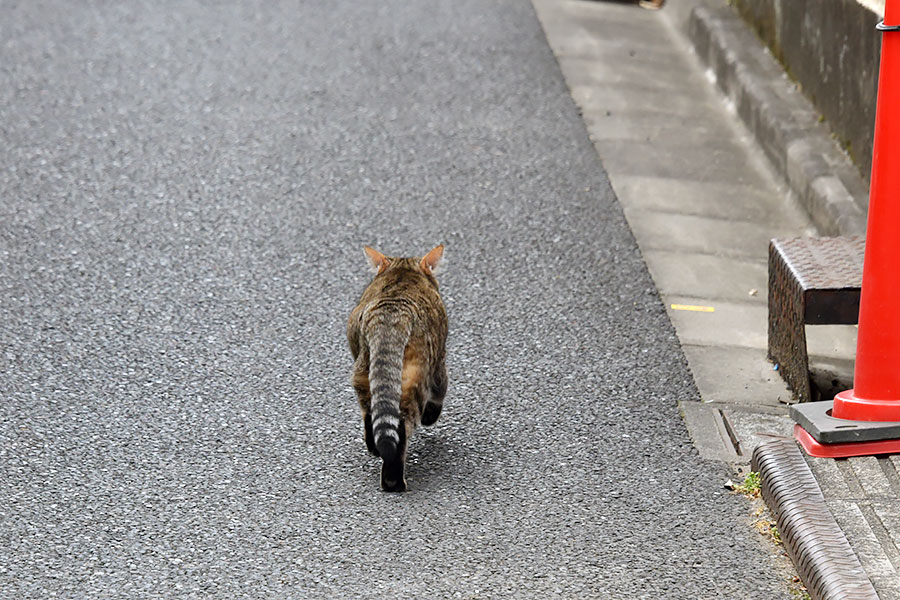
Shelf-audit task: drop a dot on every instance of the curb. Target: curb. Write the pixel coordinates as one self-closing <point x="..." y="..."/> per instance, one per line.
<point x="785" y="124"/>
<point x="827" y="564"/>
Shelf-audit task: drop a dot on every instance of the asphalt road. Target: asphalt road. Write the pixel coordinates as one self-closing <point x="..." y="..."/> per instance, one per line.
<point x="185" y="189"/>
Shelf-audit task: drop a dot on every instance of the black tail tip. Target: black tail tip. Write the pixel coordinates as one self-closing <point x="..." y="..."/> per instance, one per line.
<point x="387" y="448"/>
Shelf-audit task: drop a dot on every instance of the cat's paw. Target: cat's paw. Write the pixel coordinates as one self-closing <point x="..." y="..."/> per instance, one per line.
<point x="431" y="413"/>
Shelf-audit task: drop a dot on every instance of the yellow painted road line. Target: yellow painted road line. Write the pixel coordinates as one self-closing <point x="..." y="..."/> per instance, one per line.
<point x="693" y="308"/>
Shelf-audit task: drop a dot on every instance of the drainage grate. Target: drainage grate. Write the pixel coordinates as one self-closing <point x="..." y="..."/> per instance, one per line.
<point x="827" y="564"/>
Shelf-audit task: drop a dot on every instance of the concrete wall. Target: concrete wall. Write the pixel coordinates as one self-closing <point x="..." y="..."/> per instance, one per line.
<point x="832" y="49"/>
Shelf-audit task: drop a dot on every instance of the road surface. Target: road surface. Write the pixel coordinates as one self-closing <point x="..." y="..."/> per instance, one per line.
<point x="185" y="191"/>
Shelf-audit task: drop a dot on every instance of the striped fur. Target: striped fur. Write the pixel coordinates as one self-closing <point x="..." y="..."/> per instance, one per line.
<point x="387" y="342"/>
<point x="397" y="334"/>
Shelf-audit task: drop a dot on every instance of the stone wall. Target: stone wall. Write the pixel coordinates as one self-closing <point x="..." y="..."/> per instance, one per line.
<point x="831" y="49"/>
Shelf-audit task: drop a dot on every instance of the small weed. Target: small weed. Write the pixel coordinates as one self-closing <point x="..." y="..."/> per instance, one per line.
<point x="799" y="592"/>
<point x="776" y="535"/>
<point x="750" y="487"/>
<point x="764" y="522"/>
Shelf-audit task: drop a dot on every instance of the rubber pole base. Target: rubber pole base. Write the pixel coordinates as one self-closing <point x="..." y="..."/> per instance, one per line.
<point x="848" y="406"/>
<point x="814" y="448"/>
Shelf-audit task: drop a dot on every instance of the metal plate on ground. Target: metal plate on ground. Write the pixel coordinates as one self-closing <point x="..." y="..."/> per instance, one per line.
<point x="824" y="263"/>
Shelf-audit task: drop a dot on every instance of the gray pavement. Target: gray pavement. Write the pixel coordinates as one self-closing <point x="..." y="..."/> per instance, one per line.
<point x="184" y="193"/>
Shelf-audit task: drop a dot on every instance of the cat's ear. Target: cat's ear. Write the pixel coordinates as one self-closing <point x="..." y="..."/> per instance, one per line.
<point x="377" y="260"/>
<point x="431" y="260"/>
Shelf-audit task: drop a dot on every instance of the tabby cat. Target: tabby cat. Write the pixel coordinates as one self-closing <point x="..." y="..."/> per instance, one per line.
<point x="397" y="335"/>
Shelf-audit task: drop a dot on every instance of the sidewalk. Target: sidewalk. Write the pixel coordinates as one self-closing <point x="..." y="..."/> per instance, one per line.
<point x="703" y="195"/>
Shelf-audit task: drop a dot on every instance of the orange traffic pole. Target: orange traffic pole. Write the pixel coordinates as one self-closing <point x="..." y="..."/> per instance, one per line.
<point x="876" y="392"/>
<point x="866" y="420"/>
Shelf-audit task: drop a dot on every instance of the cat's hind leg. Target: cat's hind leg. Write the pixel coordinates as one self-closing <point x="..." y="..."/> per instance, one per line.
<point x="438" y="390"/>
<point x="360" y="383"/>
<point x="369" y="435"/>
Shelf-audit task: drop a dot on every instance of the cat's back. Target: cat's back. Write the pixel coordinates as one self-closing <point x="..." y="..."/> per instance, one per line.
<point x="403" y="291"/>
<point x="401" y="296"/>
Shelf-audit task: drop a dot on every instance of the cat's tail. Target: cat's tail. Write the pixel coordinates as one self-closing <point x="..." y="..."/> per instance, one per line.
<point x="387" y="343"/>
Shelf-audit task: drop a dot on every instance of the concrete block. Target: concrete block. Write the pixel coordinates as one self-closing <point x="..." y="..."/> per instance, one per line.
<point x="784" y="123"/>
<point x="870" y="473"/>
<point x="733" y="324"/>
<point x="740" y="239"/>
<point x="638" y="97"/>
<point x="833" y="209"/>
<point x="865" y="544"/>
<point x="722" y="162"/>
<point x="709" y="433"/>
<point x="710" y="199"/>
<point x="887" y="586"/>
<point x="616" y="74"/>
<point x="717" y="278"/>
<point x="887" y="516"/>
<point x="646" y="126"/>
<point x="733" y="375"/>
<point x="832" y="49"/>
<point x="828" y="345"/>
<point x="830" y="478"/>
<point x="753" y="428"/>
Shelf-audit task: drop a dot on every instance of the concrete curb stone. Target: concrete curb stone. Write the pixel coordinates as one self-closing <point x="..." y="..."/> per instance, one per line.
<point x="784" y="123"/>
<point x="827" y="563"/>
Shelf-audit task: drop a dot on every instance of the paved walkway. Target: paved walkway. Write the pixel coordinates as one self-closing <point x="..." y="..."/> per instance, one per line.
<point x="698" y="194"/>
<point x="703" y="203"/>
